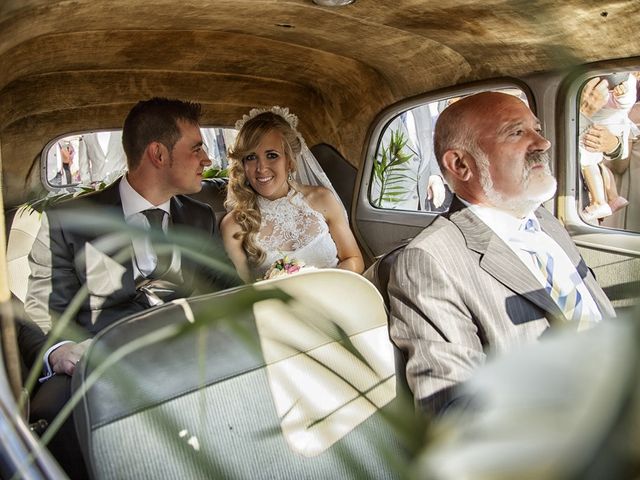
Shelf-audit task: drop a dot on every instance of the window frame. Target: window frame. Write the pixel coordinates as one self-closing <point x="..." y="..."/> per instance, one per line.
<point x="569" y="180"/>
<point x="365" y="210"/>
<point x="60" y="189"/>
<point x="44" y="154"/>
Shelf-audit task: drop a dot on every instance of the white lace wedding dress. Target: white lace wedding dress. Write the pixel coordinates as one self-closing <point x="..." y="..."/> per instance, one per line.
<point x="291" y="227"/>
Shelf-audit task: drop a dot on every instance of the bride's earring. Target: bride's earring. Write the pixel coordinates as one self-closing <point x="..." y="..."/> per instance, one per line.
<point x="290" y="177"/>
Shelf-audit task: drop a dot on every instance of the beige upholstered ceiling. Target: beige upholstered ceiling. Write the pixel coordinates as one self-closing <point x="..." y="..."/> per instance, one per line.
<point x="69" y="65"/>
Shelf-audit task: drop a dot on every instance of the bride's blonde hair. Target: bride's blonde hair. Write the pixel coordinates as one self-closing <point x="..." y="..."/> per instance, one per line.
<point x="242" y="199"/>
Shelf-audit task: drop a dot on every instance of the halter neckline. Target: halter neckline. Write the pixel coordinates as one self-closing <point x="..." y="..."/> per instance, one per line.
<point x="266" y="203"/>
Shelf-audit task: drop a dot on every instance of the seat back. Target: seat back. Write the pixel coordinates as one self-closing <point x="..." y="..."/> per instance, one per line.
<point x="24" y="228"/>
<point x="272" y="391"/>
<point x="339" y="171"/>
<point x="213" y="193"/>
<point x="379" y="274"/>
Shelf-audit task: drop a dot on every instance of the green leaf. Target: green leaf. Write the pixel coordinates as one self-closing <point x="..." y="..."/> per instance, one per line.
<point x="214" y="172"/>
<point x="390" y="170"/>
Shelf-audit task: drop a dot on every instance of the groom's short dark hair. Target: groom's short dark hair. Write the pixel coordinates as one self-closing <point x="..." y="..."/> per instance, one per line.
<point x="155" y="120"/>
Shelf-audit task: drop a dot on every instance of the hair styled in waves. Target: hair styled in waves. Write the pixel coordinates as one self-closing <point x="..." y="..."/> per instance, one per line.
<point x="242" y="200"/>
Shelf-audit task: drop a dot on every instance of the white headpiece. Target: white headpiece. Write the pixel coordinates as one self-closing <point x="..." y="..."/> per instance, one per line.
<point x="291" y="119"/>
<point x="308" y="171"/>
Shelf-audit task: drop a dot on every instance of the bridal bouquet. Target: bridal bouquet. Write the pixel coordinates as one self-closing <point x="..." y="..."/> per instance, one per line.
<point x="282" y="267"/>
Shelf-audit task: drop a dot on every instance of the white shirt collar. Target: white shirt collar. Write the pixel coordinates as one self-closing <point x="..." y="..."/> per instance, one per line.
<point x="133" y="202"/>
<point x="502" y="223"/>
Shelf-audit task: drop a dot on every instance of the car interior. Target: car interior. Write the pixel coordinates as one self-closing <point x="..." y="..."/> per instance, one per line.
<point x="293" y="377"/>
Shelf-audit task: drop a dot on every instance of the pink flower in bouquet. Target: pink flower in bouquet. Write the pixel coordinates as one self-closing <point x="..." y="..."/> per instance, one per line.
<point x="283" y="266"/>
<point x="291" y="268"/>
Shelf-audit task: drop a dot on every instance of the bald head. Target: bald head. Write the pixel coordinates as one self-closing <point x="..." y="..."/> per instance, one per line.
<point x="458" y="125"/>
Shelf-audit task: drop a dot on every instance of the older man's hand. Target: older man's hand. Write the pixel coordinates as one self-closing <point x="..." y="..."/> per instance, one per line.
<point x="64" y="358"/>
<point x="594" y="96"/>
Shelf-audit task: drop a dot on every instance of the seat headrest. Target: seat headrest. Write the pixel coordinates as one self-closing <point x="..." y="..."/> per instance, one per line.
<point x="213" y="193"/>
<point x="338" y="170"/>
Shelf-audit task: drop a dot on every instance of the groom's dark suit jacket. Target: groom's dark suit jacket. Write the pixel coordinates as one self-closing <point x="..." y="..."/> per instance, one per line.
<point x="70" y="252"/>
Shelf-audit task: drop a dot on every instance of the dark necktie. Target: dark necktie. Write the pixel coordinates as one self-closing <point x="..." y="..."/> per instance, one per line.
<point x="155" y="217"/>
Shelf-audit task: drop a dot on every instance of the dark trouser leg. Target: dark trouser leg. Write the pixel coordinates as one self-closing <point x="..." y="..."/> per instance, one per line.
<point x="47" y="402"/>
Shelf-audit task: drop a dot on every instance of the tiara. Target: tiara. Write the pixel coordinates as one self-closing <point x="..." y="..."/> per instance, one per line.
<point x="289" y="117"/>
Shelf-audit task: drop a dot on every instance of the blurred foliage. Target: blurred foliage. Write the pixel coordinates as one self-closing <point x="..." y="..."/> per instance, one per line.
<point x="222" y="314"/>
<point x="566" y="408"/>
<point x="42" y="204"/>
<point x="215" y="172"/>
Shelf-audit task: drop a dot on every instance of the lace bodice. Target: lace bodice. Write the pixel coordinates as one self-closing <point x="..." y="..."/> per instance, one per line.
<point x="291" y="227"/>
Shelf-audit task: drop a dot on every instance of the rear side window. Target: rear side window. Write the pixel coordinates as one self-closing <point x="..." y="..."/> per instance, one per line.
<point x="608" y="146"/>
<point x="406" y="175"/>
<point x="90" y="159"/>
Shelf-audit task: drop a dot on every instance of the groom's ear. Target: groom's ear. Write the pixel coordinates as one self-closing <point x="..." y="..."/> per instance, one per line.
<point x="156" y="153"/>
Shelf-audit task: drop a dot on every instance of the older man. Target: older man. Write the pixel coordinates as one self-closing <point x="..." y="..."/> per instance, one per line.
<point x="497" y="270"/>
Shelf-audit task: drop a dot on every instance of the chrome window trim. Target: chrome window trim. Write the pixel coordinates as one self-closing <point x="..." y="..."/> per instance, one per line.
<point x="363" y="210"/>
<point x="585" y="234"/>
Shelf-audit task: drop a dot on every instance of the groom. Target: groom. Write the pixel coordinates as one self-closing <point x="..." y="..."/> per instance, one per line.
<point x="165" y="159"/>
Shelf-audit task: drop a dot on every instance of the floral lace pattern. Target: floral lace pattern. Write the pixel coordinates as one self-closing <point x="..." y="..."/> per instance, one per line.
<point x="291" y="227"/>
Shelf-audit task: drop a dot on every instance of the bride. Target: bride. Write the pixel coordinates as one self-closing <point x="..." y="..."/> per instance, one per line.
<point x="280" y="203"/>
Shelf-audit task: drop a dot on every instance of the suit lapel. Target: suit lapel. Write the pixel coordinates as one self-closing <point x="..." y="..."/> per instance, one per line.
<point x="179" y="217"/>
<point x="110" y="197"/>
<point x="177" y="212"/>
<point x="499" y="261"/>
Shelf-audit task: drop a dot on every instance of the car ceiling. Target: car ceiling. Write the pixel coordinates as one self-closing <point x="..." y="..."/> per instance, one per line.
<point x="76" y="65"/>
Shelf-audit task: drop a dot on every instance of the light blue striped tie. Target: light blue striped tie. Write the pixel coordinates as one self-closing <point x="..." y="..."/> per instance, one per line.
<point x="568" y="299"/>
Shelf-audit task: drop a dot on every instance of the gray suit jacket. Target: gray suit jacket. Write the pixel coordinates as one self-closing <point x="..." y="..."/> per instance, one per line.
<point x="65" y="257"/>
<point x="458" y="292"/>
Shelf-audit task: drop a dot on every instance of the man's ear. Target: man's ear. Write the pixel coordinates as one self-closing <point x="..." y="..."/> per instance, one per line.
<point x="156" y="152"/>
<point x="456" y="162"/>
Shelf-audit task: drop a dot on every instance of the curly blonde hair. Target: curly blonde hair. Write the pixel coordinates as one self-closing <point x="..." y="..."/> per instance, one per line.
<point x="242" y="199"/>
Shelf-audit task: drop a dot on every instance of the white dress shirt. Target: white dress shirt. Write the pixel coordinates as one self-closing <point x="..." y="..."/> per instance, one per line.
<point x="133" y="204"/>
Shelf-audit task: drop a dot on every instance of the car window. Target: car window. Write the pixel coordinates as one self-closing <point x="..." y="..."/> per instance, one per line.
<point x="405" y="174"/>
<point x="91" y="158"/>
<point x="608" y="140"/>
